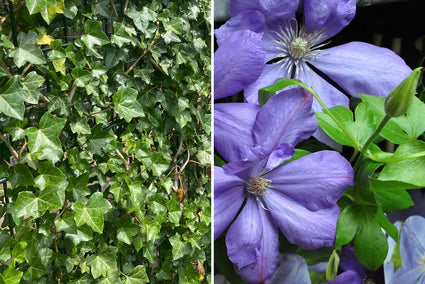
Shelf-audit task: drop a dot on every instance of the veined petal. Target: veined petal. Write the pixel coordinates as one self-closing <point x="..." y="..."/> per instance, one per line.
<point x="406" y="275"/>
<point x="303" y="227"/>
<point x="280" y="154"/>
<point x="270" y="73"/>
<point x="315" y="181"/>
<point x="254" y="217"/>
<point x="412" y="243"/>
<point x="237" y="62"/>
<point x="286" y="118"/>
<point x="330" y="15"/>
<point x="328" y="94"/>
<point x="286" y="8"/>
<point x="292" y="270"/>
<point x="248" y="20"/>
<point x="233" y="124"/>
<point x="361" y="68"/>
<point x="229" y="195"/>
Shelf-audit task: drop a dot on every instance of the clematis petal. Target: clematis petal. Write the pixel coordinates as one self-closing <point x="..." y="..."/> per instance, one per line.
<point x="347" y="277"/>
<point x="270" y="73"/>
<point x="292" y="270"/>
<point x="270" y="8"/>
<point x="388" y="265"/>
<point x="286" y="118"/>
<point x="328" y="94"/>
<point x="349" y="261"/>
<point x="361" y="68"/>
<point x="237" y="62"/>
<point x="280" y="154"/>
<point x="228" y="198"/>
<point x="303" y="227"/>
<point x="412" y="243"/>
<point x="233" y="124"/>
<point x="249" y="20"/>
<point x="315" y="181"/>
<point x="406" y="275"/>
<point x="330" y="15"/>
<point x="242" y="245"/>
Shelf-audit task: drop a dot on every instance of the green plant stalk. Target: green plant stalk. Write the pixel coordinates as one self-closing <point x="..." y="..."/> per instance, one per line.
<point x="375" y="134"/>
<point x="328" y="112"/>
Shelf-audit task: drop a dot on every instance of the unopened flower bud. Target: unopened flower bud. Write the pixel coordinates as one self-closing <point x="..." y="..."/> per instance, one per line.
<point x="401" y="97"/>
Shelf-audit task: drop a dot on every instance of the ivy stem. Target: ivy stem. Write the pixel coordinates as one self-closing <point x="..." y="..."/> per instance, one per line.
<point x="328" y="112"/>
<point x="11" y="149"/>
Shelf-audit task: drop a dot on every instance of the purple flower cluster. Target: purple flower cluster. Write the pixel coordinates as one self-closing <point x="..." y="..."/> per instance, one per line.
<point x="263" y="189"/>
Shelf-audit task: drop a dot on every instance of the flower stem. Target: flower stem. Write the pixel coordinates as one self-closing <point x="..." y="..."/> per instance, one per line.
<point x="328" y="112"/>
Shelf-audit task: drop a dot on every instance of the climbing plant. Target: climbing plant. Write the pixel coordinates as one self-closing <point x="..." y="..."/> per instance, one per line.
<point x="105" y="141"/>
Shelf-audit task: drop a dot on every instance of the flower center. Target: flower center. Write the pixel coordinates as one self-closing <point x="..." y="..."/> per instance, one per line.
<point x="257" y="186"/>
<point x="296" y="46"/>
<point x="299" y="46"/>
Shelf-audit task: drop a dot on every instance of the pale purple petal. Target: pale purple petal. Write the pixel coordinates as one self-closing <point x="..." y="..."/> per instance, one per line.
<point x="330" y="95"/>
<point x="349" y="261"/>
<point x="267" y="246"/>
<point x="286" y="118"/>
<point x="361" y="68"/>
<point x="292" y="270"/>
<point x="237" y="62"/>
<point x="243" y="240"/>
<point x="412" y="242"/>
<point x="229" y="195"/>
<point x="316" y="181"/>
<point x="303" y="227"/>
<point x="388" y="266"/>
<point x="347" y="277"/>
<point x="233" y="124"/>
<point x="270" y="8"/>
<point x="406" y="275"/>
<point x="270" y="73"/>
<point x="330" y="15"/>
<point x="249" y="20"/>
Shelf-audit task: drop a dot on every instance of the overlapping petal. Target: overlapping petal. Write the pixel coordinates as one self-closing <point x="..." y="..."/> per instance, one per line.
<point x="412" y="242"/>
<point x="407" y="275"/>
<point x="315" y="181"/>
<point x="233" y="124"/>
<point x="292" y="270"/>
<point x="346" y="277"/>
<point x="238" y="62"/>
<point x="361" y="68"/>
<point x="286" y="118"/>
<point x="229" y="195"/>
<point x="271" y="8"/>
<point x="252" y="20"/>
<point x="301" y="226"/>
<point x="239" y="242"/>
<point x="330" y="15"/>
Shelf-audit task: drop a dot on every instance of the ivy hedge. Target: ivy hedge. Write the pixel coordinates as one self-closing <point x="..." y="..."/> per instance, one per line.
<point x="105" y="141"/>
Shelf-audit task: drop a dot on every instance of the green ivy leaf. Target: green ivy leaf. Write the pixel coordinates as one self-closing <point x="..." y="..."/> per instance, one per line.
<point x="12" y="97"/>
<point x="92" y="213"/>
<point x="35" y="270"/>
<point x="122" y="34"/>
<point x="98" y="140"/>
<point x="137" y="276"/>
<point x="35" y="6"/>
<point x="52" y="197"/>
<point x="12" y="276"/>
<point x="44" y="142"/>
<point x="22" y="176"/>
<point x="27" y="50"/>
<point x="179" y="247"/>
<point x="94" y="34"/>
<point x="103" y="263"/>
<point x="77" y="235"/>
<point x="126" y="230"/>
<point x="126" y="104"/>
<point x="32" y="84"/>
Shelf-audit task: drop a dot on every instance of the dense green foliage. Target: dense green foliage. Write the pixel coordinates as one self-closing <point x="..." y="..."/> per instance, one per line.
<point x="105" y="141"/>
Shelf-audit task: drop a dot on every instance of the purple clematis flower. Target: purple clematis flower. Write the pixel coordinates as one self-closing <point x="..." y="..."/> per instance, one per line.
<point x="412" y="251"/>
<point x="237" y="62"/>
<point x="298" y="197"/>
<point x="353" y="271"/>
<point x="294" y="50"/>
